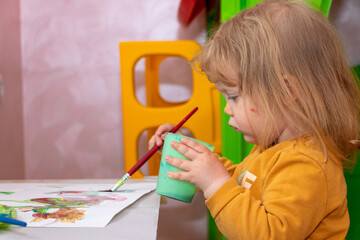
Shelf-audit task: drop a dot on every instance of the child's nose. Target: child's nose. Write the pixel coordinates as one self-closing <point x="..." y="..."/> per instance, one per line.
<point x="227" y="110"/>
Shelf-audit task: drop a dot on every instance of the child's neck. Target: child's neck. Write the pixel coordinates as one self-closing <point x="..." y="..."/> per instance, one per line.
<point x="288" y="133"/>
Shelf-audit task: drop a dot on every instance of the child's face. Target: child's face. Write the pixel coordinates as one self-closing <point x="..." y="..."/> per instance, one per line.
<point x="240" y="113"/>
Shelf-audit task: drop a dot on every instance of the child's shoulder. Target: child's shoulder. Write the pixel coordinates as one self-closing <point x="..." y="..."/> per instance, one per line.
<point x="298" y="149"/>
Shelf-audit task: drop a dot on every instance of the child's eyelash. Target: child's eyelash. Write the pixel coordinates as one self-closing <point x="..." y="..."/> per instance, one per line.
<point x="232" y="97"/>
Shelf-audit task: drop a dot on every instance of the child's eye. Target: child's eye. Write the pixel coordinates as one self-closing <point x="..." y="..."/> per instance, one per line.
<point x="233" y="98"/>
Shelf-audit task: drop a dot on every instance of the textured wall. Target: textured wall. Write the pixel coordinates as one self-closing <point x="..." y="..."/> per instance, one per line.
<point x="11" y="118"/>
<point x="72" y="108"/>
<point x="345" y="15"/>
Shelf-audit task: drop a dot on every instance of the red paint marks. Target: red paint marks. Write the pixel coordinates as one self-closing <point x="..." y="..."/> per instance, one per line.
<point x="62" y="192"/>
<point x="43" y="200"/>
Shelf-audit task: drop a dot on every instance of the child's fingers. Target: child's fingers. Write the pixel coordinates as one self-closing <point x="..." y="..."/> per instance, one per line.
<point x="151" y="142"/>
<point x="182" y="176"/>
<point x="167" y="127"/>
<point x="159" y="137"/>
<point x="194" y="145"/>
<point x="163" y="136"/>
<point x="183" y="149"/>
<point x="159" y="140"/>
<point x="179" y="163"/>
<point x="155" y="140"/>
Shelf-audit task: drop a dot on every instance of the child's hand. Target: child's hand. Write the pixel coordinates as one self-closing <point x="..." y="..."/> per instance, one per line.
<point x="159" y="136"/>
<point x="204" y="170"/>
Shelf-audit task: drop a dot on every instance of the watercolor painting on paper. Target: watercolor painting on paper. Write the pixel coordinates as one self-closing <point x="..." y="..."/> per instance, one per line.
<point x="80" y="205"/>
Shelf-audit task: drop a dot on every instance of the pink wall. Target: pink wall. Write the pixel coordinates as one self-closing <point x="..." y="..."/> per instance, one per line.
<point x="11" y="119"/>
<point x="71" y="79"/>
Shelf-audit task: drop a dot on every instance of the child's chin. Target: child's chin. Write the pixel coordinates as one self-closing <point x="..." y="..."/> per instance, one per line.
<point x="250" y="139"/>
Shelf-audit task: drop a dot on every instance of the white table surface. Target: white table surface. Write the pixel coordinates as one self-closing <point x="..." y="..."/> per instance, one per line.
<point x="137" y="221"/>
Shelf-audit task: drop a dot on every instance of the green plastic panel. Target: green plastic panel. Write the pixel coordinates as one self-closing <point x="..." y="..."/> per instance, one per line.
<point x="229" y="8"/>
<point x="353" y="186"/>
<point x="353" y="182"/>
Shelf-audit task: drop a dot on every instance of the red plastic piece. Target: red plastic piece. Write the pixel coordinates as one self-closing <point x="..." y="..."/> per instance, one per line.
<point x="189" y="9"/>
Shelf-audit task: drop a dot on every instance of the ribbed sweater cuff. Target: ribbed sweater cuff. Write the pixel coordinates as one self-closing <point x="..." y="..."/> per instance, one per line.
<point x="229" y="190"/>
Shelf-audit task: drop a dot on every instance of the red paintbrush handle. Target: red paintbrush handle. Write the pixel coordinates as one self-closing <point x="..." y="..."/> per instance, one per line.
<point x="179" y="125"/>
<point x="149" y="154"/>
<point x="143" y="160"/>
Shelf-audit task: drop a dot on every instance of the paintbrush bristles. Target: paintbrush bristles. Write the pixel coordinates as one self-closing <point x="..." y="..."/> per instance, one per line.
<point x="120" y="182"/>
<point x="149" y="154"/>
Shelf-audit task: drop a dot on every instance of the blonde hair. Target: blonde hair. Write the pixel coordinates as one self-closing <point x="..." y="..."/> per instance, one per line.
<point x="288" y="58"/>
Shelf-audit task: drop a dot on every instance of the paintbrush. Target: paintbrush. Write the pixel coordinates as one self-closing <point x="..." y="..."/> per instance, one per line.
<point x="148" y="155"/>
<point x="5" y="219"/>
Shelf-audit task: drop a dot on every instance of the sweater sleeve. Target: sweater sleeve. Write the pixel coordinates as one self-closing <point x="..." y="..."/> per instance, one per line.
<point x="228" y="164"/>
<point x="293" y="201"/>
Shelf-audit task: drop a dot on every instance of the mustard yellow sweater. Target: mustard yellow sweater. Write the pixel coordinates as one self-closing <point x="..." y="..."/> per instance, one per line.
<point x="285" y="192"/>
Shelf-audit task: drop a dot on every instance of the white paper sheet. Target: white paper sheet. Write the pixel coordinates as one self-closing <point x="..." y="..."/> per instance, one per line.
<point x="65" y="205"/>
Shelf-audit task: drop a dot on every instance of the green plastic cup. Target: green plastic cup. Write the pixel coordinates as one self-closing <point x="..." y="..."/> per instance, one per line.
<point x="176" y="189"/>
